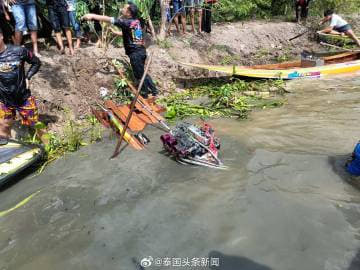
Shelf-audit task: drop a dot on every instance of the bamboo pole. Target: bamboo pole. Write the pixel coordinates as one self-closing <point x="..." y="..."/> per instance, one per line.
<point x="132" y="108"/>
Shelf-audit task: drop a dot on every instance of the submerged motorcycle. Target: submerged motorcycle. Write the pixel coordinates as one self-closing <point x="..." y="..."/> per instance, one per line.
<point x="191" y="144"/>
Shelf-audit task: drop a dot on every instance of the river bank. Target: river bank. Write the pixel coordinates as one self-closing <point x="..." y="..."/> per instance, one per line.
<point x="66" y="84"/>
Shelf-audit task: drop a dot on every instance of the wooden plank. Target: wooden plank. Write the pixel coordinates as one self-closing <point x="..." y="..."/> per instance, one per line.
<point x="135" y="124"/>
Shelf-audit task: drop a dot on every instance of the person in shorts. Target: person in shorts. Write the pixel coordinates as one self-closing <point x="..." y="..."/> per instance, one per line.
<point x="60" y="20"/>
<point x="195" y="5"/>
<point x="15" y="95"/>
<point x="179" y="15"/>
<point x="24" y="12"/>
<point x="337" y="26"/>
<point x="74" y="22"/>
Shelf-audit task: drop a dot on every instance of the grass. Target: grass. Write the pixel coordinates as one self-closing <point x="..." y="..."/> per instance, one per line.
<point x="221" y="99"/>
<point x="73" y="136"/>
<point x="164" y="44"/>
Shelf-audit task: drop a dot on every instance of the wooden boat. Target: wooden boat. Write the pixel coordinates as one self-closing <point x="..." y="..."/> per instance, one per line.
<point x="336" y="64"/>
<point x="337" y="39"/>
<point x="15" y="157"/>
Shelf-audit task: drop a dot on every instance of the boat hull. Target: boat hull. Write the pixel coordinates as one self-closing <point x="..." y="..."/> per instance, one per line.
<point x="285" y="74"/>
<point x="15" y="157"/>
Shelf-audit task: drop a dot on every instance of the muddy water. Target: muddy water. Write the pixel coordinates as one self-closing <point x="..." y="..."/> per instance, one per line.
<point x="286" y="202"/>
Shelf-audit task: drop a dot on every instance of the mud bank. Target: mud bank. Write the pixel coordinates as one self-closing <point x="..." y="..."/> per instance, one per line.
<point x="67" y="84"/>
<point x="286" y="202"/>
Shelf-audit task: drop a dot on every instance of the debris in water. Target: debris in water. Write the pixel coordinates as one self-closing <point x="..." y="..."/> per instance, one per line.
<point x="193" y="145"/>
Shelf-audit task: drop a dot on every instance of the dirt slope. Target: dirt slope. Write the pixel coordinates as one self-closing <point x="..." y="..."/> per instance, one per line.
<point x="69" y="84"/>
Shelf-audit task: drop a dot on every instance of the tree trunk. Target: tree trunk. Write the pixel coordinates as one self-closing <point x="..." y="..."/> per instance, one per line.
<point x="162" y="33"/>
<point x="151" y="26"/>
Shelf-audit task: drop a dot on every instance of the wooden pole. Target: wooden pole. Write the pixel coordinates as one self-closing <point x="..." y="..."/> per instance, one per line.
<point x="142" y="103"/>
<point x="132" y="108"/>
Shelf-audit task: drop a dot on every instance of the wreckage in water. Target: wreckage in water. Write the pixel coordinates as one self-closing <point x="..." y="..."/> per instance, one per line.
<point x="190" y="144"/>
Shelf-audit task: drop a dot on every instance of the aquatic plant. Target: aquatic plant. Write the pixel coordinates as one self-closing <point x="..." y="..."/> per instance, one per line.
<point x="219" y="98"/>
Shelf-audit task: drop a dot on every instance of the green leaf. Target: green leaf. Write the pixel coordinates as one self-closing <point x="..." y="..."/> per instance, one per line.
<point x="39" y="125"/>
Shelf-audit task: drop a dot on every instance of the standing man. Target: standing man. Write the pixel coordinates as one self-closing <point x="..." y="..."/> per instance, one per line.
<point x="338" y="26"/>
<point x="179" y="15"/>
<point x="133" y="43"/>
<point x="60" y="20"/>
<point x="195" y="5"/>
<point x="24" y="12"/>
<point x="74" y="22"/>
<point x="302" y="9"/>
<point x="15" y="95"/>
<point x="206" y="18"/>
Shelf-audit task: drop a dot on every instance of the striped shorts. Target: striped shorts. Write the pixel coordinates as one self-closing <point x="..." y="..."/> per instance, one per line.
<point x="28" y="112"/>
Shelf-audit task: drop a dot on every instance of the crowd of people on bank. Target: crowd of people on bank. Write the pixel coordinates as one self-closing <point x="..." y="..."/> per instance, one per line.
<point x="179" y="10"/>
<point x="15" y="96"/>
<point x="19" y="17"/>
<point x="22" y="14"/>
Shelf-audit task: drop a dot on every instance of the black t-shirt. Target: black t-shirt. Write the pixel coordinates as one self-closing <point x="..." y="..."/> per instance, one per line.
<point x="13" y="90"/>
<point x="132" y="34"/>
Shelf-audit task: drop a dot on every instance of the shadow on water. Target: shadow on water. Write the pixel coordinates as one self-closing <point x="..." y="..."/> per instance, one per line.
<point x="338" y="165"/>
<point x="355" y="263"/>
<point x="227" y="262"/>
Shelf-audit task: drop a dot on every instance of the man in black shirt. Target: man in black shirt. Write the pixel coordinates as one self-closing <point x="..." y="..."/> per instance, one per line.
<point x="133" y="43"/>
<point x="14" y="93"/>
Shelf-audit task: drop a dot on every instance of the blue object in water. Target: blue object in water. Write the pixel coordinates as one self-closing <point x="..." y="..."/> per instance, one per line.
<point x="353" y="166"/>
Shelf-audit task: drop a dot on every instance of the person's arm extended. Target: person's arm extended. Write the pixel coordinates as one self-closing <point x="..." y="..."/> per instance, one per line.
<point x="34" y="61"/>
<point x="95" y="17"/>
<point x="327" y="29"/>
<point x="322" y="21"/>
<point x="6" y="14"/>
<point x="115" y="32"/>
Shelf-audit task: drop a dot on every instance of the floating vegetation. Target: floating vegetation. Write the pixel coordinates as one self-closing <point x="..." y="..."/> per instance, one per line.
<point x="223" y="99"/>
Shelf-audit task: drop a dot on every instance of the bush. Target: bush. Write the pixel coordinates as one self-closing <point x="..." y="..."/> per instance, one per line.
<point x="232" y="10"/>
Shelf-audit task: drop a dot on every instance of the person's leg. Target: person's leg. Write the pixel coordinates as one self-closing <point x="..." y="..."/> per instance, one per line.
<point x="75" y="24"/>
<point x="7" y="116"/>
<point x="200" y="11"/>
<point x="303" y="12"/>
<point x="6" y="28"/>
<point x="137" y="62"/>
<point x="151" y="85"/>
<point x="297" y="10"/>
<point x="176" y="22"/>
<point x="30" y="116"/>
<point x="55" y="23"/>
<point x="65" y="24"/>
<point x="306" y="12"/>
<point x="351" y="34"/>
<point x="5" y="127"/>
<point x="20" y="22"/>
<point x="69" y="40"/>
<point x="192" y="19"/>
<point x="183" y="22"/>
<point x="31" y="19"/>
<point x="148" y="85"/>
<point x="207" y="17"/>
<point x="59" y="42"/>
